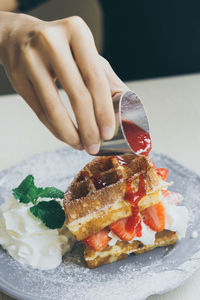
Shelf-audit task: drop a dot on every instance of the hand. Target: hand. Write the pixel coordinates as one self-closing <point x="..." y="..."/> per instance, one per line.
<point x="35" y="53"/>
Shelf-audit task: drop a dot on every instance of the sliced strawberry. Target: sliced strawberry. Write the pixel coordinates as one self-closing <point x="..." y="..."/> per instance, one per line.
<point x="98" y="241"/>
<point x="163" y="173"/>
<point x="154" y="217"/>
<point x="120" y="228"/>
<point x="172" y="197"/>
<point x="165" y="193"/>
<point x="128" y="228"/>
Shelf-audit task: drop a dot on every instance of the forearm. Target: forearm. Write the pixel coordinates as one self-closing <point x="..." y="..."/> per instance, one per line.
<point x="8" y="5"/>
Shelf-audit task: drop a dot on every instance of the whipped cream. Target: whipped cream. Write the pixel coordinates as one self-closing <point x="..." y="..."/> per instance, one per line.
<point x="176" y="218"/>
<point x="28" y="240"/>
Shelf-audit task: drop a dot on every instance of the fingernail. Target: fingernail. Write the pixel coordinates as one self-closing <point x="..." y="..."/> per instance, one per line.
<point x="79" y="147"/>
<point x="93" y="149"/>
<point x="107" y="133"/>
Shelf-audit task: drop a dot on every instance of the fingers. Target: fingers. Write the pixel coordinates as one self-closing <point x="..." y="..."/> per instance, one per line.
<point x="70" y="78"/>
<point x="25" y="89"/>
<point x="65" y="50"/>
<point x="87" y="59"/>
<point x="49" y="99"/>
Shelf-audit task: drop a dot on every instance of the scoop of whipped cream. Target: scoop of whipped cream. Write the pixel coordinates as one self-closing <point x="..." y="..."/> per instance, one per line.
<point x="28" y="240"/>
<point x="176" y="218"/>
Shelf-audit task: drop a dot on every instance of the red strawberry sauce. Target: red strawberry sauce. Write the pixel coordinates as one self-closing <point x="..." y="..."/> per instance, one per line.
<point x="98" y="182"/>
<point x="138" y="139"/>
<point x="83" y="176"/>
<point x="133" y="198"/>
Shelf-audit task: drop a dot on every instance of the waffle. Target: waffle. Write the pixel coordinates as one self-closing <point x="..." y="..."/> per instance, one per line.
<point x="95" y="198"/>
<point x="122" y="249"/>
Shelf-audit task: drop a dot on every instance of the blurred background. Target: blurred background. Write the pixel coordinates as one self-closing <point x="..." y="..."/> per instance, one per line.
<point x="141" y="39"/>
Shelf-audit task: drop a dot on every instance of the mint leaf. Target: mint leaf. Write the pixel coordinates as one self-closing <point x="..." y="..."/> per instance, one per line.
<point x="27" y="191"/>
<point x="51" y="192"/>
<point x="50" y="213"/>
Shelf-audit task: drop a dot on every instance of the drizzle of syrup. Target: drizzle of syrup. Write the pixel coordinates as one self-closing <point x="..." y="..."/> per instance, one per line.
<point x="133" y="198"/>
<point x="138" y="139"/>
<point x="138" y="228"/>
<point x="83" y="176"/>
<point x="98" y="182"/>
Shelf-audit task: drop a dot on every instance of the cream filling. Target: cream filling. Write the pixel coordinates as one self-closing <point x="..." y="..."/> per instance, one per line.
<point x="176" y="218"/>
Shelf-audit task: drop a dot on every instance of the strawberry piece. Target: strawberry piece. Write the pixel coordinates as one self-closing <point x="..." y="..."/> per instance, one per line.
<point x="165" y="193"/>
<point x="98" y="241"/>
<point x="127" y="228"/>
<point x="120" y="229"/>
<point x="163" y="173"/>
<point x="154" y="217"/>
<point x="172" y="197"/>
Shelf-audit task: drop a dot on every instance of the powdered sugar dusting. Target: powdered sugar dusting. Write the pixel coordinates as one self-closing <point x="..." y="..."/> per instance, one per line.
<point x="136" y="277"/>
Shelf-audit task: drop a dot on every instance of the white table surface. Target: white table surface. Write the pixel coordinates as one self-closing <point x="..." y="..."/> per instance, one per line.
<point x="173" y="107"/>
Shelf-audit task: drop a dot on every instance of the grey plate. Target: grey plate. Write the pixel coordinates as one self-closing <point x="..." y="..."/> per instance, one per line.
<point x="137" y="277"/>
